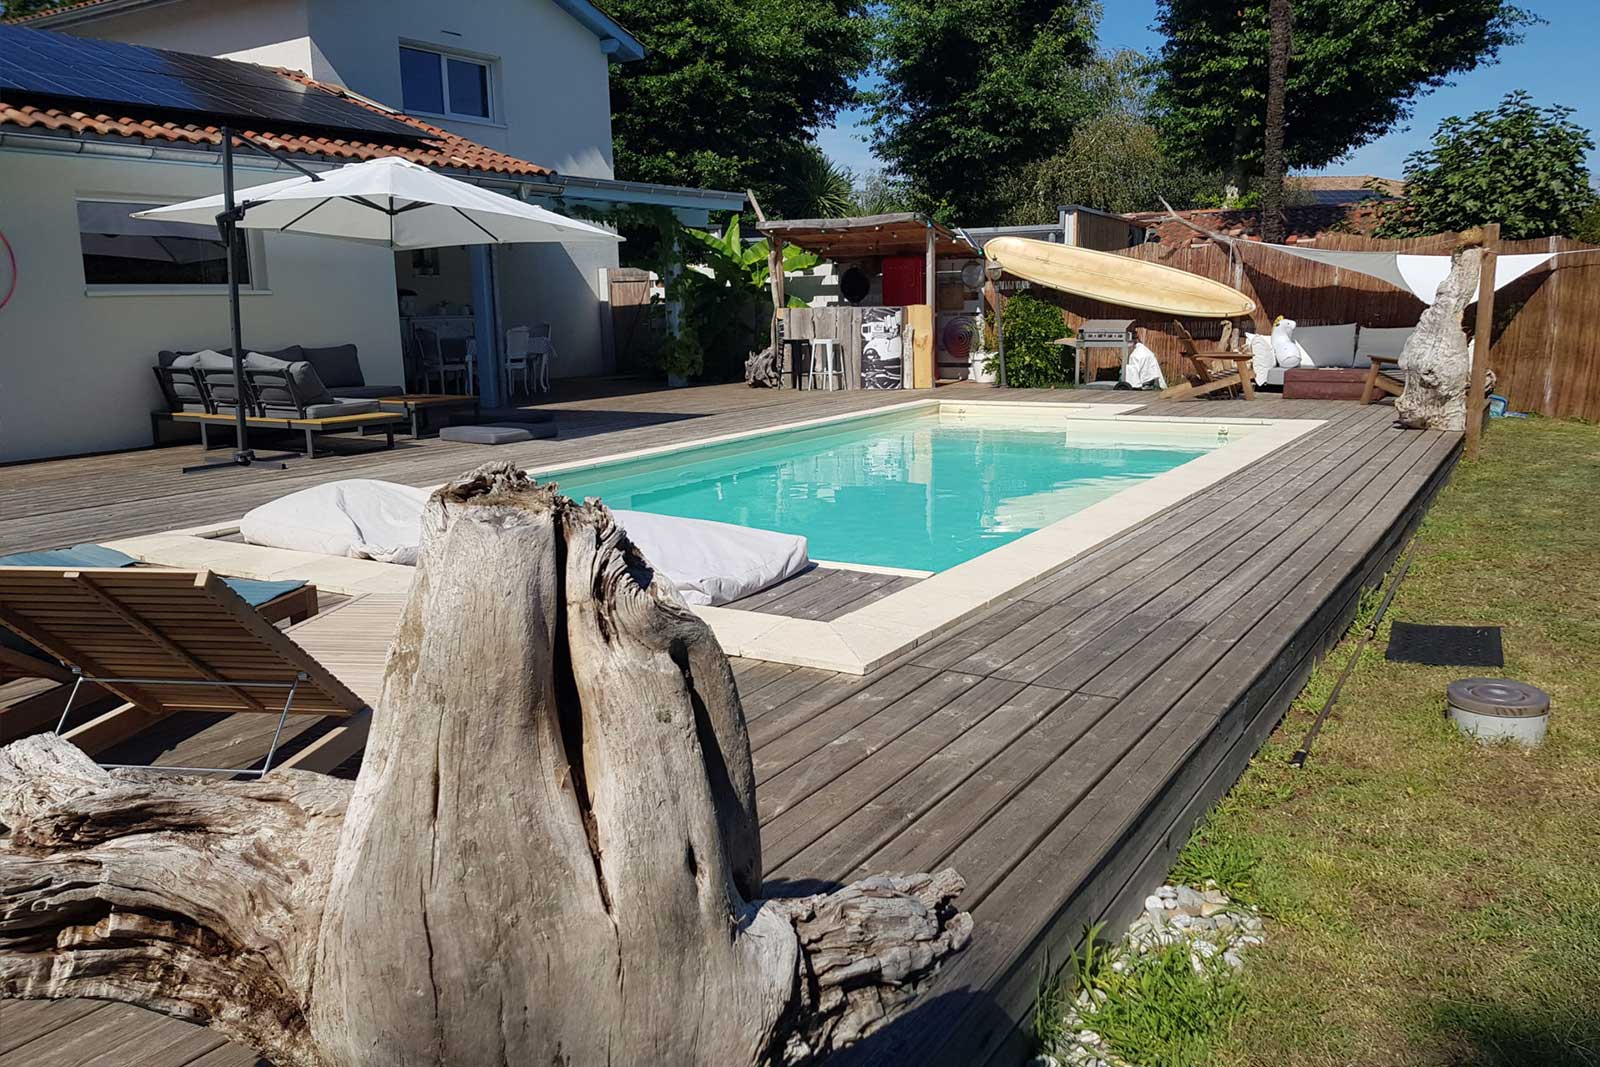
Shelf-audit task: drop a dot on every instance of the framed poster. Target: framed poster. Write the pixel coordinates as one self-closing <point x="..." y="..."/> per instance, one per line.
<point x="882" y="348"/>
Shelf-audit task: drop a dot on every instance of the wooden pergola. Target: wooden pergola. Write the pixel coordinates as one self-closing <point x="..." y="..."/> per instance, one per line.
<point x="902" y="234"/>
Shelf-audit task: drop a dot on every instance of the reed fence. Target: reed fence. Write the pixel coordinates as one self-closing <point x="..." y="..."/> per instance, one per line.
<point x="1546" y="345"/>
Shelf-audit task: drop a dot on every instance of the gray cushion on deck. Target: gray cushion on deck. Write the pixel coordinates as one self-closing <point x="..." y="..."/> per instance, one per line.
<point x="1382" y="341"/>
<point x="337" y="365"/>
<point x="502" y="434"/>
<point x="335" y="408"/>
<point x="308" y="385"/>
<point x="1328" y="346"/>
<point x="367" y="392"/>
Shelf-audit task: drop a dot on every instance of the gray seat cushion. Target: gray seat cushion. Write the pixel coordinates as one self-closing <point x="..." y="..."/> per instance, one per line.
<point x="501" y="434"/>
<point x="1328" y="346"/>
<point x="1382" y="341"/>
<point x="338" y="366"/>
<point x="308" y="385"/>
<point x="335" y="408"/>
<point x="368" y="392"/>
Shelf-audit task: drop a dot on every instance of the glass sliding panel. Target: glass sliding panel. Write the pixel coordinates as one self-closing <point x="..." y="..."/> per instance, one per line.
<point x="421" y="88"/>
<point x="469" y="88"/>
<point x="119" y="250"/>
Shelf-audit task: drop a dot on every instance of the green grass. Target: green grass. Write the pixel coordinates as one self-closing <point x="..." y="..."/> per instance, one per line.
<point x="1434" y="901"/>
<point x="1160" y="1011"/>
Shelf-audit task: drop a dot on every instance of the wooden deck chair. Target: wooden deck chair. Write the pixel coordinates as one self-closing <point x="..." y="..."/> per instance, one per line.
<point x="167" y="641"/>
<point x="1212" y="369"/>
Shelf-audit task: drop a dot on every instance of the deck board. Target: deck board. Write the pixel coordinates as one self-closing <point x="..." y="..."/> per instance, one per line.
<point x="1055" y="748"/>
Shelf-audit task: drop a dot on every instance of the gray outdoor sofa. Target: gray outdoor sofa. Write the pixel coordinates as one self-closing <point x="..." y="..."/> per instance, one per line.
<point x="1346" y="346"/>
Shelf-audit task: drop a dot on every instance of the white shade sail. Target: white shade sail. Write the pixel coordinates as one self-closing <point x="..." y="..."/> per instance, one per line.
<point x="1418" y="274"/>
<point x="393" y="202"/>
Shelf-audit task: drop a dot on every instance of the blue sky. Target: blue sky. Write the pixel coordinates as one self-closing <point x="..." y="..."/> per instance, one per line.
<point x="1556" y="62"/>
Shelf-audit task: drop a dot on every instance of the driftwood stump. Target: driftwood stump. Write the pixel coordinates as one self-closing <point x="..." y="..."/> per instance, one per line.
<point x="1437" y="358"/>
<point x="764" y="370"/>
<point x="550" y="856"/>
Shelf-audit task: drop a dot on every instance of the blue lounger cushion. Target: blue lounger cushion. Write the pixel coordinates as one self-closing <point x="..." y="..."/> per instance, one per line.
<point x="252" y="592"/>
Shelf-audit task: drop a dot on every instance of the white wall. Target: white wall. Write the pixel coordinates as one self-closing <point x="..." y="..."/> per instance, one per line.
<point x="552" y="89"/>
<point x="558" y="284"/>
<point x="551" y="85"/>
<point x="75" y="368"/>
<point x="274" y="33"/>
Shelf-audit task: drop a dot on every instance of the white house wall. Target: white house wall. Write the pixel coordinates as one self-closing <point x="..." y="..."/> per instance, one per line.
<point x="558" y="284"/>
<point x="75" y="368"/>
<point x="274" y="33"/>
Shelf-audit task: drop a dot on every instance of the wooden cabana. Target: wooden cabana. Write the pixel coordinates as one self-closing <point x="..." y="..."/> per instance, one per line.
<point x="887" y="240"/>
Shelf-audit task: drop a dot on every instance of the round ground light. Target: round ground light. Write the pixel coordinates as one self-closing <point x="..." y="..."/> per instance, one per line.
<point x="1498" y="709"/>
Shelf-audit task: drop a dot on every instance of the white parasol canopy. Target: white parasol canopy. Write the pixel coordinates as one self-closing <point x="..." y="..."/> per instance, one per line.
<point x="389" y="201"/>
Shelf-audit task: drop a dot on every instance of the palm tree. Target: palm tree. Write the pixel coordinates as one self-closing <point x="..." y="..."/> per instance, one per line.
<point x="1272" y="162"/>
<point x="816" y="187"/>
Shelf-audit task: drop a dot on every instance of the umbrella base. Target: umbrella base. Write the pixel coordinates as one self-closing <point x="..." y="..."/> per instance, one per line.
<point x="247" y="458"/>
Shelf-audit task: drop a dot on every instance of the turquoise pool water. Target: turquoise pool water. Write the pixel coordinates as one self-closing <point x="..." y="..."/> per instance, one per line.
<point x="921" y="490"/>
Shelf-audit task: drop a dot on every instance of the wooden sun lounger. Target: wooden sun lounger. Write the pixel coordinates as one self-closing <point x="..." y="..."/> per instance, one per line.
<point x="1380" y="381"/>
<point x="1214" y="369"/>
<point x="331" y="424"/>
<point x="166" y="641"/>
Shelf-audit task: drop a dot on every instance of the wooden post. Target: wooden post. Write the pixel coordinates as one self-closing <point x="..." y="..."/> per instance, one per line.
<point x="929" y="283"/>
<point x="1482" y="336"/>
<point x="775" y="279"/>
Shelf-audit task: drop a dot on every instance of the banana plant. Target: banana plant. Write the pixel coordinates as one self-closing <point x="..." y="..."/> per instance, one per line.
<point x="743" y="266"/>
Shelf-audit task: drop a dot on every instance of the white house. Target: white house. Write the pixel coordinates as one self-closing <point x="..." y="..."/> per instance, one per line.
<point x="512" y="95"/>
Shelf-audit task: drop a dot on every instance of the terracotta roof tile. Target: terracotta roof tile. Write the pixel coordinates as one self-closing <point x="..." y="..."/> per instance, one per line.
<point x="438" y="148"/>
<point x="1303" y="222"/>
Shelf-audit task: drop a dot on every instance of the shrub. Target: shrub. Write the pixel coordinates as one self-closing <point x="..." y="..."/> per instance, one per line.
<point x="1032" y="362"/>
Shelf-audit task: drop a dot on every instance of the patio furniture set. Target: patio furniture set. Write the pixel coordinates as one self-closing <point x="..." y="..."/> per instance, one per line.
<point x="311" y="390"/>
<point x="1344" y="362"/>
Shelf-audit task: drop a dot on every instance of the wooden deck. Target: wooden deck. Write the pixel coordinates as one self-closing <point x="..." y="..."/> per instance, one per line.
<point x="1055" y="749"/>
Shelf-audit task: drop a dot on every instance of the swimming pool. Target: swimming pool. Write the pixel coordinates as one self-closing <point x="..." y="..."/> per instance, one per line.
<point x="924" y="489"/>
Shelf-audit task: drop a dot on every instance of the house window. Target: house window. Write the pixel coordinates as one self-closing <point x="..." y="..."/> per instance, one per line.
<point x="122" y="251"/>
<point x="437" y="84"/>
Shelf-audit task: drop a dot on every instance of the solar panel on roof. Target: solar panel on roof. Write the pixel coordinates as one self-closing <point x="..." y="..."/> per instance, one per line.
<point x="84" y="70"/>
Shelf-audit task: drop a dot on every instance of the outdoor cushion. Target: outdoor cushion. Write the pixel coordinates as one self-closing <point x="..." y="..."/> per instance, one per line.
<point x="335" y="408"/>
<point x="707" y="562"/>
<point x="1329" y="346"/>
<point x="308" y="385"/>
<point x="1383" y="340"/>
<point x="218" y="371"/>
<point x="356" y="517"/>
<point x="503" y="434"/>
<point x="252" y="592"/>
<point x="366" y="392"/>
<point x="336" y="365"/>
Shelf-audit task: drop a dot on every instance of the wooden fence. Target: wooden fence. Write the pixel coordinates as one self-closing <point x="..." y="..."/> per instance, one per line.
<point x="1546" y="348"/>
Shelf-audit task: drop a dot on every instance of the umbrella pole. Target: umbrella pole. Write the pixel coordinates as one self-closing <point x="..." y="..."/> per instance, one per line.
<point x="230" y="233"/>
<point x="227" y="223"/>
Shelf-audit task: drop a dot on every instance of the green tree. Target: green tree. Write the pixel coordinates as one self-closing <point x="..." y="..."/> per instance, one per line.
<point x="814" y="187"/>
<point x="1357" y="68"/>
<point x="975" y="88"/>
<point x="1520" y="165"/>
<point x="1114" y="162"/>
<point x="1032" y="361"/>
<point x="15" y="9"/>
<point x="728" y="88"/>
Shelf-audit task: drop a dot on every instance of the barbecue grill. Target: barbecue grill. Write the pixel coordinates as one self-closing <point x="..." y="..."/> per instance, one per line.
<point x="1104" y="333"/>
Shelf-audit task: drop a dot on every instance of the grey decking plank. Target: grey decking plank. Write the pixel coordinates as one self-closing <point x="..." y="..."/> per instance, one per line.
<point x="22" y="1021"/>
<point x="113" y="1037"/>
<point x="1052" y="853"/>
<point x="773" y="750"/>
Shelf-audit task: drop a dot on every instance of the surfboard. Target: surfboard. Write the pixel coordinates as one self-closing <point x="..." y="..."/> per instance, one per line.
<point x="1120" y="280"/>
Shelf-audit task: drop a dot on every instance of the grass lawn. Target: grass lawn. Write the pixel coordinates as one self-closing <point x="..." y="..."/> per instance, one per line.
<point x="1433" y="901"/>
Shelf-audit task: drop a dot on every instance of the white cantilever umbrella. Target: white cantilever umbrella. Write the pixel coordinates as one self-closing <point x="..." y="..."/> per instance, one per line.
<point x="390" y="201"/>
<point x="387" y="201"/>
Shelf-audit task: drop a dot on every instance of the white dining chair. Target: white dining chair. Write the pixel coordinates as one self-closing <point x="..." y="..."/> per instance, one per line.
<point x="517" y="358"/>
<point x="435" y="365"/>
<point x="542" y="348"/>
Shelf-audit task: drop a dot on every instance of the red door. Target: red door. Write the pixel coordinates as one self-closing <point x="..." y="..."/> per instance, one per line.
<point x="904" y="281"/>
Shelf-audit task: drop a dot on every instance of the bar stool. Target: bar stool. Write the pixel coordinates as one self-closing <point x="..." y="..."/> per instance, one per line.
<point x="831" y="370"/>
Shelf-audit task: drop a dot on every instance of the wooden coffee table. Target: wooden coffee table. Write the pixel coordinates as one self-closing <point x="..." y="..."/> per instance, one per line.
<point x="420" y="405"/>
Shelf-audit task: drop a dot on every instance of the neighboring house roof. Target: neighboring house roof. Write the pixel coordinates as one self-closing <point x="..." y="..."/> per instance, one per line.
<point x="1346" y="188"/>
<point x="438" y="147"/>
<point x="1302" y="222"/>
<point x="615" y="40"/>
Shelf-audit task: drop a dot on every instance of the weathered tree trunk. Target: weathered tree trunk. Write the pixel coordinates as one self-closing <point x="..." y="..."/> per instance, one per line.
<point x="1273" y="165"/>
<point x="1437" y="359"/>
<point x="551" y="854"/>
